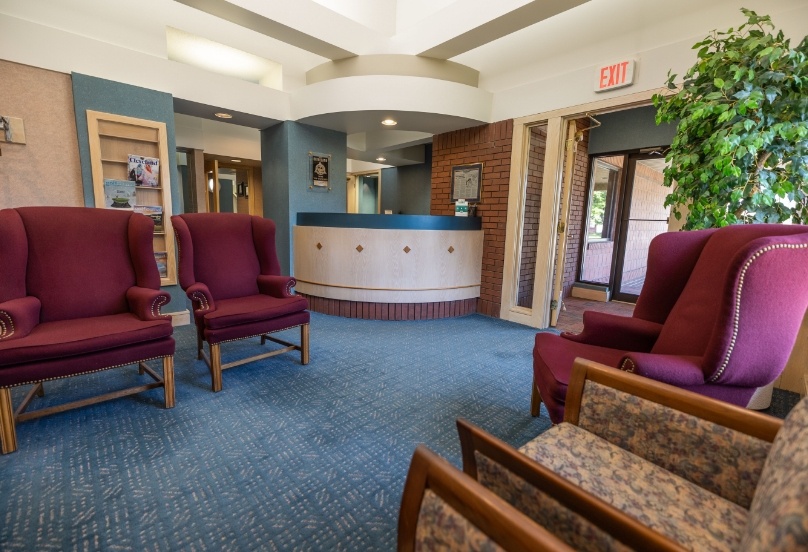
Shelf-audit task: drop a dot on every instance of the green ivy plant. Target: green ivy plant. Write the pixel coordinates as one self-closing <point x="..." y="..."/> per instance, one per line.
<point x="740" y="154"/>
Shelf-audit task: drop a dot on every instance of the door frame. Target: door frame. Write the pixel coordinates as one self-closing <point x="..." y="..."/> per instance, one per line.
<point x="539" y="315"/>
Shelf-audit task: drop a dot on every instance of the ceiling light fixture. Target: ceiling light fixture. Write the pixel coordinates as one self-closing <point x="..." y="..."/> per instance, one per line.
<point x="223" y="115"/>
<point x="381" y="159"/>
<point x="235" y="160"/>
<point x="389" y="122"/>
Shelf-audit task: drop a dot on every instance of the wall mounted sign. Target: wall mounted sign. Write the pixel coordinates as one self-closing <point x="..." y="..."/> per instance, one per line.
<point x="12" y="130"/>
<point x="319" y="175"/>
<point x="614" y="75"/>
<point x="467" y="182"/>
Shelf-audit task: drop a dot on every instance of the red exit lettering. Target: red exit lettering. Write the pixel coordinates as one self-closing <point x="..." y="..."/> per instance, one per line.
<point x="614" y="75"/>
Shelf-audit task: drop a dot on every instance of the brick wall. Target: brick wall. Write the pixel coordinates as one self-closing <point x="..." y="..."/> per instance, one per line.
<point x="530" y="230"/>
<point x="490" y="145"/>
<point x="578" y="206"/>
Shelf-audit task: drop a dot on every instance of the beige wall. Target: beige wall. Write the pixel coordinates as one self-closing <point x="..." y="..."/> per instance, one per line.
<point x="45" y="170"/>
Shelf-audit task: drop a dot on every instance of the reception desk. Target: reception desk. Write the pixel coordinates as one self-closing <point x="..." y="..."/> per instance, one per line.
<point x="388" y="266"/>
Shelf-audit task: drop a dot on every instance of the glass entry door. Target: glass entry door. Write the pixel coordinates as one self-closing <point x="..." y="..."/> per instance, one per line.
<point x="644" y="216"/>
<point x="626" y="210"/>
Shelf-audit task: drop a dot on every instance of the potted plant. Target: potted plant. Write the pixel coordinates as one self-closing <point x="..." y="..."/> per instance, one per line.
<point x="740" y="154"/>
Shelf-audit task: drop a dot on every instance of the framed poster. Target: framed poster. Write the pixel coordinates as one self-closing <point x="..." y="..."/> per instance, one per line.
<point x="467" y="182"/>
<point x="319" y="175"/>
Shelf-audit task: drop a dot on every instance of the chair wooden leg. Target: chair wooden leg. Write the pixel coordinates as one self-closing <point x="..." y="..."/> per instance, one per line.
<point x="8" y="435"/>
<point x="216" y="367"/>
<point x="535" y="401"/>
<point x="199" y="345"/>
<point x="168" y="381"/>
<point x="304" y="344"/>
<point x="263" y="339"/>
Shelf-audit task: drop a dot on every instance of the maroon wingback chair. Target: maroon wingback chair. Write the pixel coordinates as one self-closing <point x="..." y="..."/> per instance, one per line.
<point x="229" y="269"/>
<point x="718" y="314"/>
<point x="79" y="293"/>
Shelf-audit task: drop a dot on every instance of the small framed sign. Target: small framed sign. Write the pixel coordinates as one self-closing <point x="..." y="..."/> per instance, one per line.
<point x="467" y="182"/>
<point x="319" y="167"/>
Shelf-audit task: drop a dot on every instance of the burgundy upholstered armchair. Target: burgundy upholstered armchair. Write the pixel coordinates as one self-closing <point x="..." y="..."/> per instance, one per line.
<point x="229" y="269"/>
<point x="79" y="293"/>
<point x="718" y="314"/>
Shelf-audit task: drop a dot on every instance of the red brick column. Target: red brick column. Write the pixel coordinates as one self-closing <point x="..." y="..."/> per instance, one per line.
<point x="490" y="145"/>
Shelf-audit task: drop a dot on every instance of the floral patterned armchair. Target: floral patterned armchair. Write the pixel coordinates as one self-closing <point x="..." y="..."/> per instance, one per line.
<point x="638" y="464"/>
<point x="444" y="509"/>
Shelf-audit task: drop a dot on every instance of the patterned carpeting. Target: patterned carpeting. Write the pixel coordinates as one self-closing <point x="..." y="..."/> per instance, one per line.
<point x="286" y="457"/>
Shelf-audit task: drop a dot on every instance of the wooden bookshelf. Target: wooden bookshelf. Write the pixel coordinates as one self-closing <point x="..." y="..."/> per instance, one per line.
<point x="112" y="139"/>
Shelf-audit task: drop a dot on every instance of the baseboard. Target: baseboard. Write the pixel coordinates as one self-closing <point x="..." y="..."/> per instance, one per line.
<point x="180" y="318"/>
<point x="590" y="292"/>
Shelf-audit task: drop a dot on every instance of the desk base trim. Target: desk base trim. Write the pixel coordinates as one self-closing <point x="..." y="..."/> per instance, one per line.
<point x="391" y="311"/>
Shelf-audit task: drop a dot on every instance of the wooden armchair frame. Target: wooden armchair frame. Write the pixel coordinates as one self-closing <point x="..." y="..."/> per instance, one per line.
<point x="508" y="527"/>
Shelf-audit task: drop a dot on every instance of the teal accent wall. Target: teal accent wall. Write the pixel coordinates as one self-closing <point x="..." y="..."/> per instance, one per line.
<point x="407" y="190"/>
<point x="123" y="99"/>
<point x="286" y="178"/>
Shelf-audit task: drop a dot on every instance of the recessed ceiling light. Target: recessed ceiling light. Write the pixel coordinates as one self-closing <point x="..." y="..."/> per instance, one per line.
<point x="235" y="160"/>
<point x="389" y="122"/>
<point x="223" y="115"/>
<point x="381" y="159"/>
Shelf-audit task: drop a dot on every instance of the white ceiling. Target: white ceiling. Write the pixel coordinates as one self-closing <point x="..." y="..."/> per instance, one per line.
<point x="514" y="46"/>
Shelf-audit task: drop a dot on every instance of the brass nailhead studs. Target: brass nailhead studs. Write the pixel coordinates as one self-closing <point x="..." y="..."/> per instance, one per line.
<point x="407" y="249"/>
<point x="451" y="249"/>
<point x="319" y="245"/>
<point x="359" y="248"/>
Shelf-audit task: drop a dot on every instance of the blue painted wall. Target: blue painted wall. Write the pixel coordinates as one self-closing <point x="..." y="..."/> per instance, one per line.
<point x="287" y="176"/>
<point x="122" y="99"/>
<point x="407" y="190"/>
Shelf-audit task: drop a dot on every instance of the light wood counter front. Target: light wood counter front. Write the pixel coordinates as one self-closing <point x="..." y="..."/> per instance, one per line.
<point x="388" y="265"/>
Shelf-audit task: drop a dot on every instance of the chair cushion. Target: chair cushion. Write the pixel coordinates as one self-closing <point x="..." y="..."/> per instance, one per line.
<point x="252" y="308"/>
<point x="657" y="498"/>
<point x="552" y="367"/>
<point x="778" y="517"/>
<point x="64" y="338"/>
<point x="441" y="527"/>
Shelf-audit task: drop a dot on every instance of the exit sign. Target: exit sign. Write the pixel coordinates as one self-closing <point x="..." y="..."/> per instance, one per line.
<point x="614" y="75"/>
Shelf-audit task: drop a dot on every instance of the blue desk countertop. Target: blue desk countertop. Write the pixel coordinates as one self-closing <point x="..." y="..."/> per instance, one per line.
<point x="389" y="222"/>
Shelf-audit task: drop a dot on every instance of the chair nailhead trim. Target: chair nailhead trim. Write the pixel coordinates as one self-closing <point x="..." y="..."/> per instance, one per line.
<point x="737" y="317"/>
<point x="157" y="304"/>
<point x="4" y="333"/>
<point x="203" y="301"/>
<point x="89" y="371"/>
<point x="628" y="361"/>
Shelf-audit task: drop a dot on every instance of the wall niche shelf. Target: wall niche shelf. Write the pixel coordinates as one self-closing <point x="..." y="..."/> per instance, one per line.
<point x="112" y="139"/>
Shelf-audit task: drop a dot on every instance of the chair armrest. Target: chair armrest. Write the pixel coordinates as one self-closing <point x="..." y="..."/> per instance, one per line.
<point x="571" y="500"/>
<point x="714" y="444"/>
<point x="617" y="332"/>
<point x="18" y="317"/>
<point x="443" y="508"/>
<point x="276" y="286"/>
<point x="672" y="369"/>
<point x="201" y="298"/>
<point x="145" y="303"/>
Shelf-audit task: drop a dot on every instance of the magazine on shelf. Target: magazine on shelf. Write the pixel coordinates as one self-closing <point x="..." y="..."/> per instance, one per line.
<point x="161" y="258"/>
<point x="154" y="212"/>
<point x="119" y="194"/>
<point x="144" y="171"/>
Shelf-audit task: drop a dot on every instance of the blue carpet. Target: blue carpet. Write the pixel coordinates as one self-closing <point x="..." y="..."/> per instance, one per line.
<point x="286" y="457"/>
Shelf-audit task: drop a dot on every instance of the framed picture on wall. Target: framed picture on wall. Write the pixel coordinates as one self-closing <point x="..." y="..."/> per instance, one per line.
<point x="467" y="182"/>
<point x="319" y="170"/>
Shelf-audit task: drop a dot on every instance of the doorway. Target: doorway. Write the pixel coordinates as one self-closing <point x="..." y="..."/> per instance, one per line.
<point x="625" y="211"/>
<point x="233" y="187"/>
<point x="364" y="192"/>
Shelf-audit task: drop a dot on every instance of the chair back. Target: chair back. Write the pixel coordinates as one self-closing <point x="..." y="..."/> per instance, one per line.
<point x="778" y="516"/>
<point x="223" y="253"/>
<point x="743" y="303"/>
<point x="79" y="262"/>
